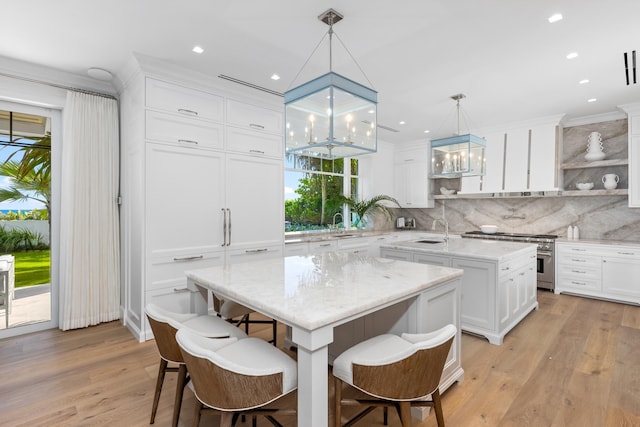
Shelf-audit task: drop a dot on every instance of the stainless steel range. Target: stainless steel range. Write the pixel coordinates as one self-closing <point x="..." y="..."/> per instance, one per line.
<point x="546" y="246"/>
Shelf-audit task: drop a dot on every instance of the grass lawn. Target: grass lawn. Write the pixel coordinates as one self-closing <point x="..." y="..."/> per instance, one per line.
<point x="32" y="268"/>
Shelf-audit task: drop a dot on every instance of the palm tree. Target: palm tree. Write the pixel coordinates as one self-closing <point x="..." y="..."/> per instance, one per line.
<point x="30" y="178"/>
<point x="368" y="206"/>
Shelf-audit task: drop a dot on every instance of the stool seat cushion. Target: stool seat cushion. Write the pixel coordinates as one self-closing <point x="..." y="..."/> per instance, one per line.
<point x="379" y="350"/>
<point x="249" y="356"/>
<point x="213" y="327"/>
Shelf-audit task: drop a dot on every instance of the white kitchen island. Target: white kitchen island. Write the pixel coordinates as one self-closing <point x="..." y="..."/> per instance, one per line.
<point x="499" y="283"/>
<point x="316" y="293"/>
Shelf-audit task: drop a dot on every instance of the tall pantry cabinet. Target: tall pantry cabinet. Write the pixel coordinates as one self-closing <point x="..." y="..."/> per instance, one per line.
<point x="202" y="184"/>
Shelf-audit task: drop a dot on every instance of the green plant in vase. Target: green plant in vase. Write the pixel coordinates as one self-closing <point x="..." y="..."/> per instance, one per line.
<point x="366" y="207"/>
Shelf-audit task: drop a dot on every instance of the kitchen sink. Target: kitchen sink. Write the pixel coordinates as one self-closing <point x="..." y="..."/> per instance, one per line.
<point x="429" y="241"/>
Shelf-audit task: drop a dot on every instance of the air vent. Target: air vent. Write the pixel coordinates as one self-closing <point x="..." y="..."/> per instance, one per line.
<point x="251" y="85"/>
<point x="382" y="126"/>
<point x="633" y="66"/>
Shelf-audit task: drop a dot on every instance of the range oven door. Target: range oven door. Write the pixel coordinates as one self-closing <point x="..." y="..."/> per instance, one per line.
<point x="546" y="270"/>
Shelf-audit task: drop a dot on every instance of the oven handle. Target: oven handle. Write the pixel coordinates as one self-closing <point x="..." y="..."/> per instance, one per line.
<point x="545" y="254"/>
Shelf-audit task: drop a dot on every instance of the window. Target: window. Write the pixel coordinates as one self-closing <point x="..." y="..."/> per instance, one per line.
<point x="313" y="191"/>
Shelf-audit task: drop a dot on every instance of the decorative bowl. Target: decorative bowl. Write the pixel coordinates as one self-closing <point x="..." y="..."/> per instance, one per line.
<point x="584" y="185"/>
<point x="446" y="191"/>
<point x="489" y="229"/>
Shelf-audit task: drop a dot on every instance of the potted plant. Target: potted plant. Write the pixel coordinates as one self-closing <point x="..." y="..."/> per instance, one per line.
<point x="366" y="207"/>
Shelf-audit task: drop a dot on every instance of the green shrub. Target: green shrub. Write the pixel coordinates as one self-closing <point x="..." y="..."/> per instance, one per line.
<point x="19" y="239"/>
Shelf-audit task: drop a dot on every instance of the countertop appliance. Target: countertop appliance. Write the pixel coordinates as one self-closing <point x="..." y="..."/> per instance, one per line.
<point x="546" y="247"/>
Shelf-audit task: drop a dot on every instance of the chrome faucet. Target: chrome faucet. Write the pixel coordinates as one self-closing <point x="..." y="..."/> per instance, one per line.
<point x="334" y="219"/>
<point x="446" y="228"/>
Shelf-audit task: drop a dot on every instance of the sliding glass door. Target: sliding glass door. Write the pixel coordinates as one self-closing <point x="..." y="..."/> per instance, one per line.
<point x="28" y="296"/>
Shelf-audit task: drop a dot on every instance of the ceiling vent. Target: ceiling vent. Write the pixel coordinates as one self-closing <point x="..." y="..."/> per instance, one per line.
<point x="251" y="85"/>
<point x="633" y="66"/>
<point x="382" y="126"/>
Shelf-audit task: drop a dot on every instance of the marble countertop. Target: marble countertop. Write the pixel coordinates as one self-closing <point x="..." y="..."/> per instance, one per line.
<point x="496" y="250"/>
<point x="321" y="289"/>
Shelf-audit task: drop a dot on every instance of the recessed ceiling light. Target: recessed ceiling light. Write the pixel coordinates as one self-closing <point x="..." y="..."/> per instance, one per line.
<point x="584" y="81"/>
<point x="555" y="18"/>
<point x="372" y="111"/>
<point x="572" y="55"/>
<point x="592" y="100"/>
<point x="197" y="49"/>
<point x="427" y="131"/>
<point x="275" y="77"/>
<point x="100" y="74"/>
<point x="401" y="122"/>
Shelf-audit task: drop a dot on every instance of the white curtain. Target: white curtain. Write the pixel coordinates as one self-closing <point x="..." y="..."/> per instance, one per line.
<point x="89" y="226"/>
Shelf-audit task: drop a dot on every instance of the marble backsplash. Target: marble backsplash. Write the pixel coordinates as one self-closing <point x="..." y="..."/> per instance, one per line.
<point x="598" y="218"/>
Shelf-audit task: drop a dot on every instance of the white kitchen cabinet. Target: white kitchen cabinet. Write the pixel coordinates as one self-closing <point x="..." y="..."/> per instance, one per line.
<point x="357" y="245"/>
<point x="252" y="116"/>
<point x="322" y="246"/>
<point x="608" y="271"/>
<point x="385" y="239"/>
<point x="189" y="200"/>
<point x="254" y="142"/>
<point x="183" y="131"/>
<point x="496" y="296"/>
<point x="412" y="186"/>
<point x="182" y="100"/>
<point x="516" y="159"/>
<point x="185" y="193"/>
<point x="543" y="159"/>
<point x="254" y="197"/>
<point x="296" y="248"/>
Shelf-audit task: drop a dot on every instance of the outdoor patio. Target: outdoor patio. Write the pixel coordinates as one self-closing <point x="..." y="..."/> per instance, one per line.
<point x="31" y="304"/>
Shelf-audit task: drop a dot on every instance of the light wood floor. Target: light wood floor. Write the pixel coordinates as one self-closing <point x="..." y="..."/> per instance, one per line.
<point x="574" y="362"/>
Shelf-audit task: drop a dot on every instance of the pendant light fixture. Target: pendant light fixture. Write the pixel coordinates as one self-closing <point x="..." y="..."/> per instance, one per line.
<point x="331" y="116"/>
<point x="458" y="155"/>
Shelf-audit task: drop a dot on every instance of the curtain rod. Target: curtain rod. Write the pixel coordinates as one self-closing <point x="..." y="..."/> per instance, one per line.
<point x="73" y="89"/>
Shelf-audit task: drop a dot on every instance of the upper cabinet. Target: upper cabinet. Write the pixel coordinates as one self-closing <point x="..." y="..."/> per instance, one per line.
<point x="519" y="157"/>
<point x="412" y="186"/>
<point x="184" y="101"/>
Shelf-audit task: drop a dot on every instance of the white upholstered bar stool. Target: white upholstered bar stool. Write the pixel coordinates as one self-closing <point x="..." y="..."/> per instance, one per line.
<point x="238" y="314"/>
<point x="165" y="324"/>
<point x="238" y="377"/>
<point x="392" y="370"/>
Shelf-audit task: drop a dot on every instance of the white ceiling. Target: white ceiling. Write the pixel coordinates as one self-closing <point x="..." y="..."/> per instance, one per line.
<point x="503" y="54"/>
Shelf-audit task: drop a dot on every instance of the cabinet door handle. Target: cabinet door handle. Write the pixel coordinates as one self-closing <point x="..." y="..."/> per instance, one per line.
<point x="224" y="227"/>
<point x="255" y="251"/>
<point x="578" y="260"/>
<point x="256" y="126"/>
<point x="579" y="271"/>
<point x="229" y="229"/>
<point x="325" y="244"/>
<point x="187" y="112"/>
<point x="626" y="253"/>
<point x="180" y="290"/>
<point x="506" y="269"/>
<point x="256" y="151"/>
<point x="188" y="141"/>
<point x="522" y="273"/>
<point x="573" y="282"/>
<point x="578" y="250"/>
<point x="188" y="258"/>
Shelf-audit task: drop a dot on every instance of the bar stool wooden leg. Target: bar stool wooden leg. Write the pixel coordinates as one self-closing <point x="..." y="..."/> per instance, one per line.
<point x="437" y="406"/>
<point x="182" y="375"/>
<point x="337" y="401"/>
<point x="159" y="381"/>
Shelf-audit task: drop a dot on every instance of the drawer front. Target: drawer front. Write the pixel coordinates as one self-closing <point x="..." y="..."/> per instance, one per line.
<point x="168" y="271"/>
<point x="580" y="272"/>
<point x="578" y="283"/>
<point x="315" y="247"/>
<point x="578" y="260"/>
<point x="183" y="131"/>
<point x="432" y="259"/>
<point x="395" y="254"/>
<point x="253" y="142"/>
<point x="253" y="117"/>
<point x="292" y="249"/>
<point x="184" y="101"/>
<point x="629" y="253"/>
<point x="254" y="254"/>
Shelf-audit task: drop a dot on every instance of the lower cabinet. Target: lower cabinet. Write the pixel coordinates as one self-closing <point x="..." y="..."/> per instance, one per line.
<point x="599" y="270"/>
<point x="496" y="295"/>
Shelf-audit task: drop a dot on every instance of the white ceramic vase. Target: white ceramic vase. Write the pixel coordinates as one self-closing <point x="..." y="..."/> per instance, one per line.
<point x="595" y="149"/>
<point x="610" y="181"/>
